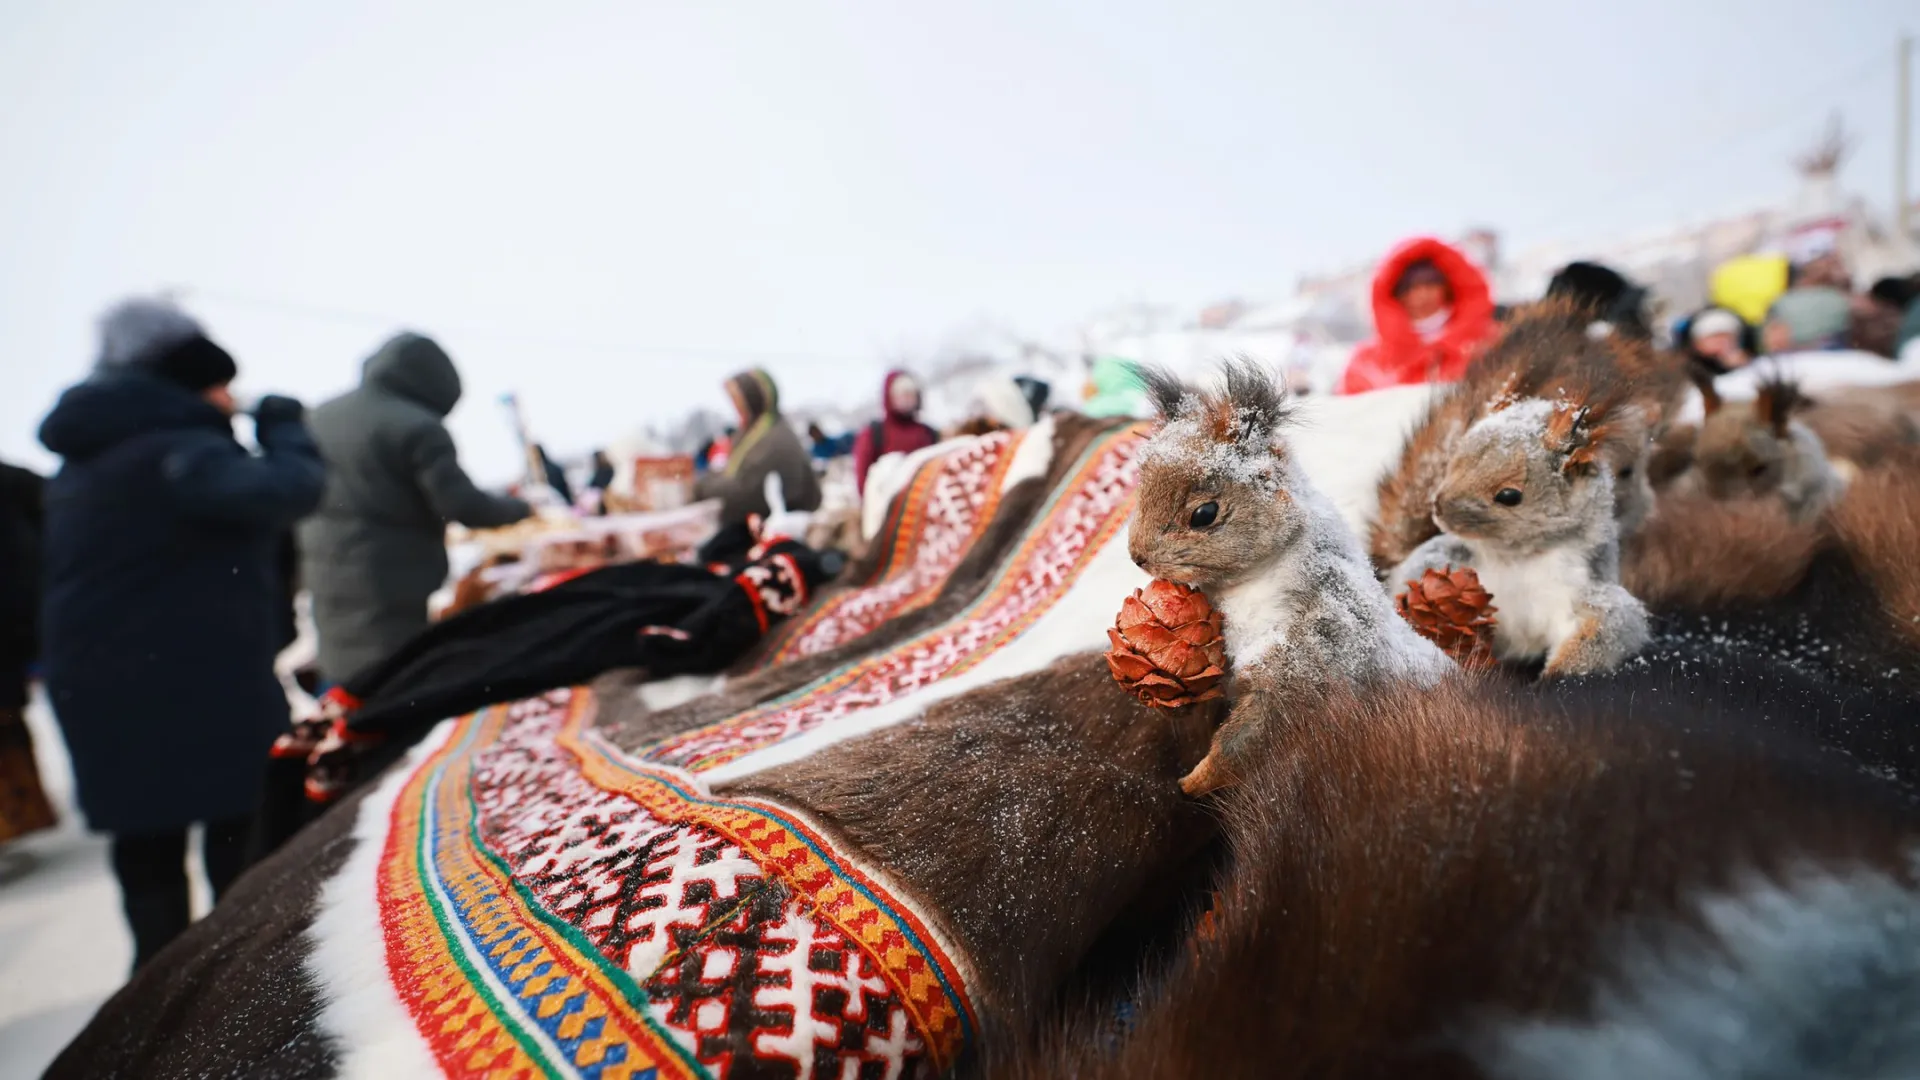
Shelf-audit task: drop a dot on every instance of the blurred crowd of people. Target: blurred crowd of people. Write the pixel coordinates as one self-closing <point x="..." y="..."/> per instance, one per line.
<point x="151" y="582"/>
<point x="1433" y="311"/>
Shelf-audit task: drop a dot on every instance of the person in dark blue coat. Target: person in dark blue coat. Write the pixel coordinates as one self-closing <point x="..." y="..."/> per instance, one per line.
<point x="161" y="611"/>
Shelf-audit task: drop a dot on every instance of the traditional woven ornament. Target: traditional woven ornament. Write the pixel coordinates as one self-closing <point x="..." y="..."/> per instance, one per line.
<point x="1168" y="650"/>
<point x="1451" y="610"/>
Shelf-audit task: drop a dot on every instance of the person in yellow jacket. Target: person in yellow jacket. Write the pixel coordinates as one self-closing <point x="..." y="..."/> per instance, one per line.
<point x="1749" y="284"/>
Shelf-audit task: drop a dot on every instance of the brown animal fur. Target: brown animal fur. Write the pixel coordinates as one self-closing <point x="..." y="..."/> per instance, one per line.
<point x="1904" y="396"/>
<point x="1864" y="433"/>
<point x="1410" y="868"/>
<point x="1544" y="352"/>
<point x="1025" y="817"/>
<point x="1672" y="455"/>
<point x="1877" y="524"/>
<point x="1700" y="553"/>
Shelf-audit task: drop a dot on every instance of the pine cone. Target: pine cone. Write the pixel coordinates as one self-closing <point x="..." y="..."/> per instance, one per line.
<point x="1168" y="649"/>
<point x="1451" y="610"/>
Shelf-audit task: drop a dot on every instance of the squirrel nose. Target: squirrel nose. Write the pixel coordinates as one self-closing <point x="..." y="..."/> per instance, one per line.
<point x="1139" y="560"/>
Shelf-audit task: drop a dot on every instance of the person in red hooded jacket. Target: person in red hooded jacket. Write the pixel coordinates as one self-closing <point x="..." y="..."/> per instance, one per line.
<point x="898" y="431"/>
<point x="1433" y="313"/>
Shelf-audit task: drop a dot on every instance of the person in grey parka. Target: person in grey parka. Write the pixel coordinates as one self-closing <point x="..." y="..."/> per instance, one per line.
<point x="376" y="550"/>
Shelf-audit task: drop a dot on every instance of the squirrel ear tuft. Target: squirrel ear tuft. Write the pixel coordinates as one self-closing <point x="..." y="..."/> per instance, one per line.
<point x="1709" y="394"/>
<point x="1165" y="390"/>
<point x="1574" y="431"/>
<point x="1255" y="404"/>
<point x="1776" y="401"/>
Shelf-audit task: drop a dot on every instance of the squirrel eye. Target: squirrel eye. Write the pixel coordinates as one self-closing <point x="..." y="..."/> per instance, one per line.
<point x="1204" y="514"/>
<point x="1507" y="496"/>
<point x="1757" y="471"/>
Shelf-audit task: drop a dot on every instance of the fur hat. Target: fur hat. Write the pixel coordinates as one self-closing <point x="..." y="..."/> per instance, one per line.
<point x="1714" y="321"/>
<point x="156" y="337"/>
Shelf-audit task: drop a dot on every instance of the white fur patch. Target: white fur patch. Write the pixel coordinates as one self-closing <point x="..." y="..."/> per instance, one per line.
<point x="361" y="1014"/>
<point x="1033" y="457"/>
<point x="1542" y="598"/>
<point x="664" y="694"/>
<point x="1076" y="623"/>
<point x="1345" y="444"/>
<point x="1815" y="977"/>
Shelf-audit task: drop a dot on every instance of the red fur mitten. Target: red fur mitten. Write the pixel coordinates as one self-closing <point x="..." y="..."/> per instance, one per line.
<point x="1452" y="610"/>
<point x="1168" y="650"/>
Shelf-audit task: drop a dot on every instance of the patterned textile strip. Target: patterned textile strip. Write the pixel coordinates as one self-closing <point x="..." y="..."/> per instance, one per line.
<point x="921" y="969"/>
<point x="943" y="511"/>
<point x="1082" y="515"/>
<point x="496" y="985"/>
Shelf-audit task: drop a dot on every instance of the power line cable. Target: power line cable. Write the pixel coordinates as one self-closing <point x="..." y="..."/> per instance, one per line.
<point x="344" y="316"/>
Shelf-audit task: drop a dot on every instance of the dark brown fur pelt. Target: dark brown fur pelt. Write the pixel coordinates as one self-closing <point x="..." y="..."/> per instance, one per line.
<point x="1877" y="524"/>
<point x="1544" y="352"/>
<point x="1697" y="553"/>
<point x="1839" y="594"/>
<point x="1026" y="818"/>
<point x="1862" y="432"/>
<point x="230" y="996"/>
<point x="1414" y="870"/>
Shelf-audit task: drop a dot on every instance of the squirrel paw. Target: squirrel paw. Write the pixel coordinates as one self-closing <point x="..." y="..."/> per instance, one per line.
<point x="1606" y="637"/>
<point x="1209" y="776"/>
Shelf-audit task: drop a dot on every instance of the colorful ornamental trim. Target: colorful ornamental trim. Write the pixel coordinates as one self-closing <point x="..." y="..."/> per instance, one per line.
<point x="498" y="986"/>
<point x="1084" y="513"/>
<point x="944" y="510"/>
<point x="909" y="953"/>
<point x="552" y="910"/>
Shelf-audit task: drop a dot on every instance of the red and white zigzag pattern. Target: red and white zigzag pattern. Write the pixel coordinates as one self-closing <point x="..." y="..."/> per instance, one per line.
<point x="1085" y="517"/>
<point x="957" y="501"/>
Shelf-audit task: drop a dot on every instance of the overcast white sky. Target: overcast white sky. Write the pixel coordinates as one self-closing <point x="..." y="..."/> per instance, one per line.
<point x="608" y="207"/>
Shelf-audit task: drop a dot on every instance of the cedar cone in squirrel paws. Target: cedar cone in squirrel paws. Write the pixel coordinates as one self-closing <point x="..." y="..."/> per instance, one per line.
<point x="1168" y="650"/>
<point x="1453" y="611"/>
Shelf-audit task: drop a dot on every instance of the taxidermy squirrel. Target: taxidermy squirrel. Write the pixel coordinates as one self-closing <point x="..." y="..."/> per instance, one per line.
<point x="1528" y="502"/>
<point x="1770" y="446"/>
<point x="1545" y="352"/>
<point x="1224" y="508"/>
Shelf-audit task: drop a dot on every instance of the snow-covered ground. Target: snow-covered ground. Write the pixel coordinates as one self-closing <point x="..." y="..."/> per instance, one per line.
<point x="64" y="947"/>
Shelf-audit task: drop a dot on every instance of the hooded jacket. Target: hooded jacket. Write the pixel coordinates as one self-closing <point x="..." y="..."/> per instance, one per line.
<point x="1398" y="356"/>
<point x="163" y="595"/>
<point x="897" y="432"/>
<point x="766" y="444"/>
<point x="376" y="550"/>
